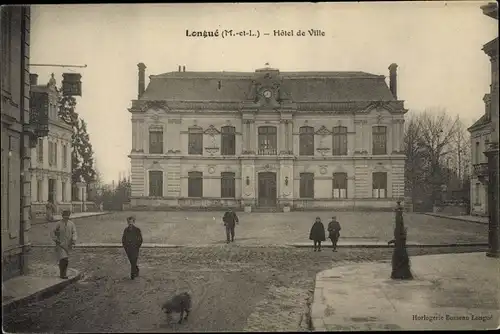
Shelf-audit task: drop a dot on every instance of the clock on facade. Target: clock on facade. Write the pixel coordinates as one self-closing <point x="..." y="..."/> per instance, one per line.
<point x="267" y="94"/>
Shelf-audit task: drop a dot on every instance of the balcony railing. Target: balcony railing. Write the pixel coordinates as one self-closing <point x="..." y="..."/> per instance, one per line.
<point x="481" y="169"/>
<point x="267" y="151"/>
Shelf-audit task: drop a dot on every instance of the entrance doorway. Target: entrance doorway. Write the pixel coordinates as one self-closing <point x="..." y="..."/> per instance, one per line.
<point x="267" y="189"/>
<point x="52" y="190"/>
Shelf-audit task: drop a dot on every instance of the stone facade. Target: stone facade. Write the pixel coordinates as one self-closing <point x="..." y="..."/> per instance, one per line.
<point x="484" y="133"/>
<point x="51" y="158"/>
<point x="16" y="139"/>
<point x="334" y="114"/>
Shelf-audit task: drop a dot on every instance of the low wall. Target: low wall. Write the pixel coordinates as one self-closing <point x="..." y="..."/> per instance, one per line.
<point x="450" y="209"/>
<point x="217" y="204"/>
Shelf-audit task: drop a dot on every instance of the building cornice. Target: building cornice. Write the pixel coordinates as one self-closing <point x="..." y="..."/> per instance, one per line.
<point x="190" y="107"/>
<point x="491" y="48"/>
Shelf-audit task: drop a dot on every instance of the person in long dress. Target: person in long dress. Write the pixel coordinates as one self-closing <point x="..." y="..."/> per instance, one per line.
<point x="317" y="234"/>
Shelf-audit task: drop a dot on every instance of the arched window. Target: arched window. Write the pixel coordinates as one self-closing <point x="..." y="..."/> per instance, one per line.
<point x="228" y="138"/>
<point x="339" y="140"/>
<point x="379" y="134"/>
<point x="267" y="140"/>
<point x="227" y="185"/>
<point x="339" y="185"/>
<point x="156" y="140"/>
<point x="306" y="185"/>
<point x="195" y="184"/>
<point x="306" y="140"/>
<point x="155" y="183"/>
<point x="379" y="185"/>
<point x="195" y="141"/>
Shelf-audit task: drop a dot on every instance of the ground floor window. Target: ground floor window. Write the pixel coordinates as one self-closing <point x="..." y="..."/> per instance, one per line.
<point x="39" y="190"/>
<point x="156" y="183"/>
<point x="228" y="185"/>
<point x="380" y="185"/>
<point x="478" y="194"/>
<point x="340" y="185"/>
<point x="63" y="192"/>
<point x="195" y="184"/>
<point x="306" y="185"/>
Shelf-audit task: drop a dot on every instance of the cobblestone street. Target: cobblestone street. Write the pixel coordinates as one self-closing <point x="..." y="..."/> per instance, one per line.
<point x="205" y="228"/>
<point x="234" y="288"/>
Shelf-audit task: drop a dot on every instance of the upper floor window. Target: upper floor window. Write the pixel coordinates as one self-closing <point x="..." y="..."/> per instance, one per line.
<point x="40" y="150"/>
<point x="306" y="185"/>
<point x="268" y="140"/>
<point x="339" y="185"/>
<point x="6" y="32"/>
<point x="379" y="140"/>
<point x="155" y="183"/>
<point x="227" y="185"/>
<point x="306" y="140"/>
<point x="228" y="140"/>
<point x="156" y="140"/>
<point x="379" y="185"/>
<point x="477" y="153"/>
<point x="195" y="184"/>
<point x="195" y="141"/>
<point x="65" y="156"/>
<point x="52" y="154"/>
<point x="339" y="140"/>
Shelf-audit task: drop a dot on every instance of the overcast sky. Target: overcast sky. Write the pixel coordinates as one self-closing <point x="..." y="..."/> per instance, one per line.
<point x="436" y="45"/>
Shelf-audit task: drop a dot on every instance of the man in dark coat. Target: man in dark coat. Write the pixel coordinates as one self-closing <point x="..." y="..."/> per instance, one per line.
<point x="334" y="232"/>
<point x="132" y="241"/>
<point x="230" y="219"/>
<point x="317" y="234"/>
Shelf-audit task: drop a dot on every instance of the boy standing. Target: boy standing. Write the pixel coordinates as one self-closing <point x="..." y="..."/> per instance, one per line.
<point x="64" y="236"/>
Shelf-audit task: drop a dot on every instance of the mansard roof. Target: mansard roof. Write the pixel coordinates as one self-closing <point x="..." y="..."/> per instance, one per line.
<point x="299" y="86"/>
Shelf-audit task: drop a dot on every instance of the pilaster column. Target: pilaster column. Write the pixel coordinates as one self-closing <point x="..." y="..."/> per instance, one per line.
<point x="493" y="209"/>
<point x="134" y="135"/>
<point x="244" y="137"/>
<point x="140" y="135"/>
<point x="283" y="139"/>
<point x="253" y="136"/>
<point x="289" y="128"/>
<point x="395" y="134"/>
<point x="401" y="129"/>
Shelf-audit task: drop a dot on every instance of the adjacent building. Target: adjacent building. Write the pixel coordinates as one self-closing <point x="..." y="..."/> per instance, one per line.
<point x="51" y="158"/>
<point x="267" y="139"/>
<point x="18" y="136"/>
<point x="484" y="132"/>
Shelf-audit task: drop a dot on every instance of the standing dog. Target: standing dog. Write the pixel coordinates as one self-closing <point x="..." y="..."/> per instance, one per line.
<point x="178" y="304"/>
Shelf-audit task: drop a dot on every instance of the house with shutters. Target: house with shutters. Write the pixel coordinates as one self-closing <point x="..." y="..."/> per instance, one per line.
<point x="267" y="139"/>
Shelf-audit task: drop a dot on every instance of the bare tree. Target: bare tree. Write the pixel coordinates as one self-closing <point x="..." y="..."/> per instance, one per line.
<point x="429" y="142"/>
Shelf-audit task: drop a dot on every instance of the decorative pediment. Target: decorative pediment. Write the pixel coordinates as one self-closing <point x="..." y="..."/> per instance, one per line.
<point x="156" y="127"/>
<point x="212" y="131"/>
<point x="323" y="131"/>
<point x="155" y="105"/>
<point x="155" y="166"/>
<point x="195" y="128"/>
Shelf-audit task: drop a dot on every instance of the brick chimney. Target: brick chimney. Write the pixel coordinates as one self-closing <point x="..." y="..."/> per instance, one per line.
<point x="142" y="79"/>
<point x="393" y="80"/>
<point x="33" y="79"/>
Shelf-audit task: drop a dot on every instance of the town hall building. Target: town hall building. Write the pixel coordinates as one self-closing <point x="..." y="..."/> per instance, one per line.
<point x="267" y="139"/>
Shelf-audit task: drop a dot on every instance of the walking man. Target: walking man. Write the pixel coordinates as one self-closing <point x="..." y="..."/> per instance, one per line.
<point x="334" y="232"/>
<point x="64" y="235"/>
<point x="132" y="241"/>
<point x="230" y="219"/>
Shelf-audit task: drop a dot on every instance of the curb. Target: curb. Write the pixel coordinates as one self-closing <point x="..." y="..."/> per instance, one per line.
<point x="111" y="245"/>
<point x="40" y="222"/>
<point x="456" y="218"/>
<point x="40" y="295"/>
<point x="484" y="244"/>
<point x="382" y="245"/>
